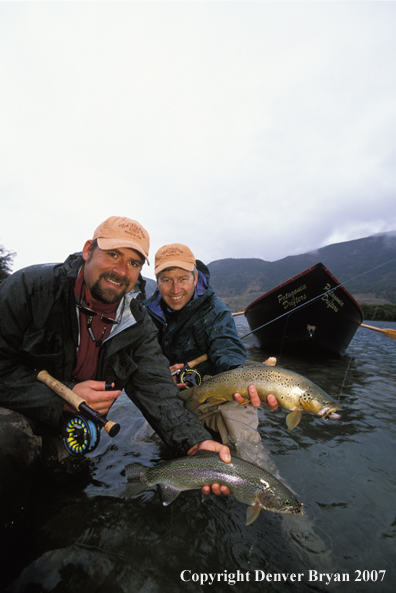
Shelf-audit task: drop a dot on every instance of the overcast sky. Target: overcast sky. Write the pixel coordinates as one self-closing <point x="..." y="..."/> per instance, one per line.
<point x="243" y="129"/>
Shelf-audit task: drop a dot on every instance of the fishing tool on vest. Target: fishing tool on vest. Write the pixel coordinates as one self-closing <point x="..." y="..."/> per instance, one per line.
<point x="81" y="432"/>
<point x="190" y="376"/>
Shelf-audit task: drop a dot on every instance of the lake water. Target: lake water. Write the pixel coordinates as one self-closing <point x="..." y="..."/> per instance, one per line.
<point x="76" y="533"/>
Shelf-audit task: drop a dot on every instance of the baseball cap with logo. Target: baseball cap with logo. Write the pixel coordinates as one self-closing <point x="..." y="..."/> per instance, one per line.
<point x="118" y="231"/>
<point x="175" y="255"/>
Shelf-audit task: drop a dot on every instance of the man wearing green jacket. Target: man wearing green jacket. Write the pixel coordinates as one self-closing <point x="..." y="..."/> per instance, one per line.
<point x="193" y="321"/>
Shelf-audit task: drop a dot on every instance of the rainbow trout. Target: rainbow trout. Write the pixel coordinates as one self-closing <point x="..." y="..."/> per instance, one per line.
<point x="249" y="483"/>
<point x="293" y="392"/>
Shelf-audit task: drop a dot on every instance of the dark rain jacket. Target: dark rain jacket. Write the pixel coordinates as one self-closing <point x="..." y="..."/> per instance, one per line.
<point x="203" y="326"/>
<point x="39" y="330"/>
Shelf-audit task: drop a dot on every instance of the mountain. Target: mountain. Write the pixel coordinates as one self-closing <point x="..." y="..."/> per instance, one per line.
<point x="367" y="266"/>
<point x="151" y="285"/>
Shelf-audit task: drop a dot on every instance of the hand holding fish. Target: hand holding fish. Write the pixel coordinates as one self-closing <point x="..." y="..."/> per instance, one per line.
<point x="271" y="401"/>
<point x="255" y="400"/>
<point x="249" y="483"/>
<point x="225" y="456"/>
<point x="293" y="392"/>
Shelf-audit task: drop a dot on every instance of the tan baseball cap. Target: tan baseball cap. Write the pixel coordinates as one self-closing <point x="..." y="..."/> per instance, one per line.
<point x="174" y="255"/>
<point x="118" y="231"/>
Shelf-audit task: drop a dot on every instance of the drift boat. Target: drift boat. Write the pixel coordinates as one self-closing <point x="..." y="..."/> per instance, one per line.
<point x="309" y="314"/>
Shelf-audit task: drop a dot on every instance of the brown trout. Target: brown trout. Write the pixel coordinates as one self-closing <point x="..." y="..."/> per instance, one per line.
<point x="249" y="483"/>
<point x="293" y="392"/>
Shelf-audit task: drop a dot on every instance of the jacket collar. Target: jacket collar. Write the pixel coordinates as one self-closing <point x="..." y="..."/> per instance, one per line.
<point x="124" y="316"/>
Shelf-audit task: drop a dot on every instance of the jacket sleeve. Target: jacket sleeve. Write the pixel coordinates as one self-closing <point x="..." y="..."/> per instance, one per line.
<point x="154" y="392"/>
<point x="20" y="342"/>
<point x="224" y="348"/>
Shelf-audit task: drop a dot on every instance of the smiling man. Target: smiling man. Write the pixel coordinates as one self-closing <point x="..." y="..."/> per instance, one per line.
<point x="83" y="322"/>
<point x="193" y="321"/>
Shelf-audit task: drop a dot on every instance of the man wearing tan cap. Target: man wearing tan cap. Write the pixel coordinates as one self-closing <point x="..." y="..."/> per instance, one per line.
<point x="192" y="321"/>
<point x="83" y="322"/>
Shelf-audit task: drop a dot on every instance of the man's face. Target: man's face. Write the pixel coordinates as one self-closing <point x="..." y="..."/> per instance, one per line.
<point x="176" y="287"/>
<point x="110" y="273"/>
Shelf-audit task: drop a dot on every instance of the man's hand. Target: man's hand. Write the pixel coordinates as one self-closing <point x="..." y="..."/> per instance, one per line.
<point x="254" y="396"/>
<point x="271" y="361"/>
<point x="93" y="392"/>
<point x="175" y="369"/>
<point x="225" y="456"/>
<point x="255" y="399"/>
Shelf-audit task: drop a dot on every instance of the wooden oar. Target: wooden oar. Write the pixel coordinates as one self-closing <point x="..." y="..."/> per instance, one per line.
<point x="389" y="333"/>
<point x="77" y="402"/>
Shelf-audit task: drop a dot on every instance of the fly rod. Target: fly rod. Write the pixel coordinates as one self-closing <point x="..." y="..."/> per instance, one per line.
<point x="112" y="428"/>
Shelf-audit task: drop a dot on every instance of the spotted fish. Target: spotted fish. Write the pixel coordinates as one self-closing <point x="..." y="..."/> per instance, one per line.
<point x="247" y="482"/>
<point x="293" y="392"/>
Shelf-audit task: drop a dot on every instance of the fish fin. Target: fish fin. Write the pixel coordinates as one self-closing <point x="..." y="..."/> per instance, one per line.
<point x="206" y="377"/>
<point x="215" y="400"/>
<point x="168" y="494"/>
<point x="252" y="513"/>
<point x="293" y="418"/>
<point x="135" y="475"/>
<point x="245" y="401"/>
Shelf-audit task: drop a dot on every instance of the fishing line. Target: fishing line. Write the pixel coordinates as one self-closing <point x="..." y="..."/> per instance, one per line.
<point x="318" y="297"/>
<point x="359" y="341"/>
<point x="345" y="376"/>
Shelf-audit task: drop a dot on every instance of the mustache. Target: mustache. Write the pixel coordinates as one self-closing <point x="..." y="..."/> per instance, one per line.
<point x="114" y="277"/>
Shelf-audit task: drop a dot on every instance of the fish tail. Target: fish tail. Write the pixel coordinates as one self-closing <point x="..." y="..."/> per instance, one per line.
<point x="135" y="474"/>
<point x="189" y="398"/>
<point x="183" y="395"/>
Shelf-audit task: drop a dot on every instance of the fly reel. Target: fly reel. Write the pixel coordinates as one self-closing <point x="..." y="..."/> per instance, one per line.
<point x="191" y="377"/>
<point x="81" y="436"/>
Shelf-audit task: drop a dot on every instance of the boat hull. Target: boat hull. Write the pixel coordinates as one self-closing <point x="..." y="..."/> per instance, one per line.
<point x="302" y="317"/>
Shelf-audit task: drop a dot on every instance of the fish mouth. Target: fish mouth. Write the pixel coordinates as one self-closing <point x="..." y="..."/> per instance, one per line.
<point x="293" y="510"/>
<point x="330" y="413"/>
